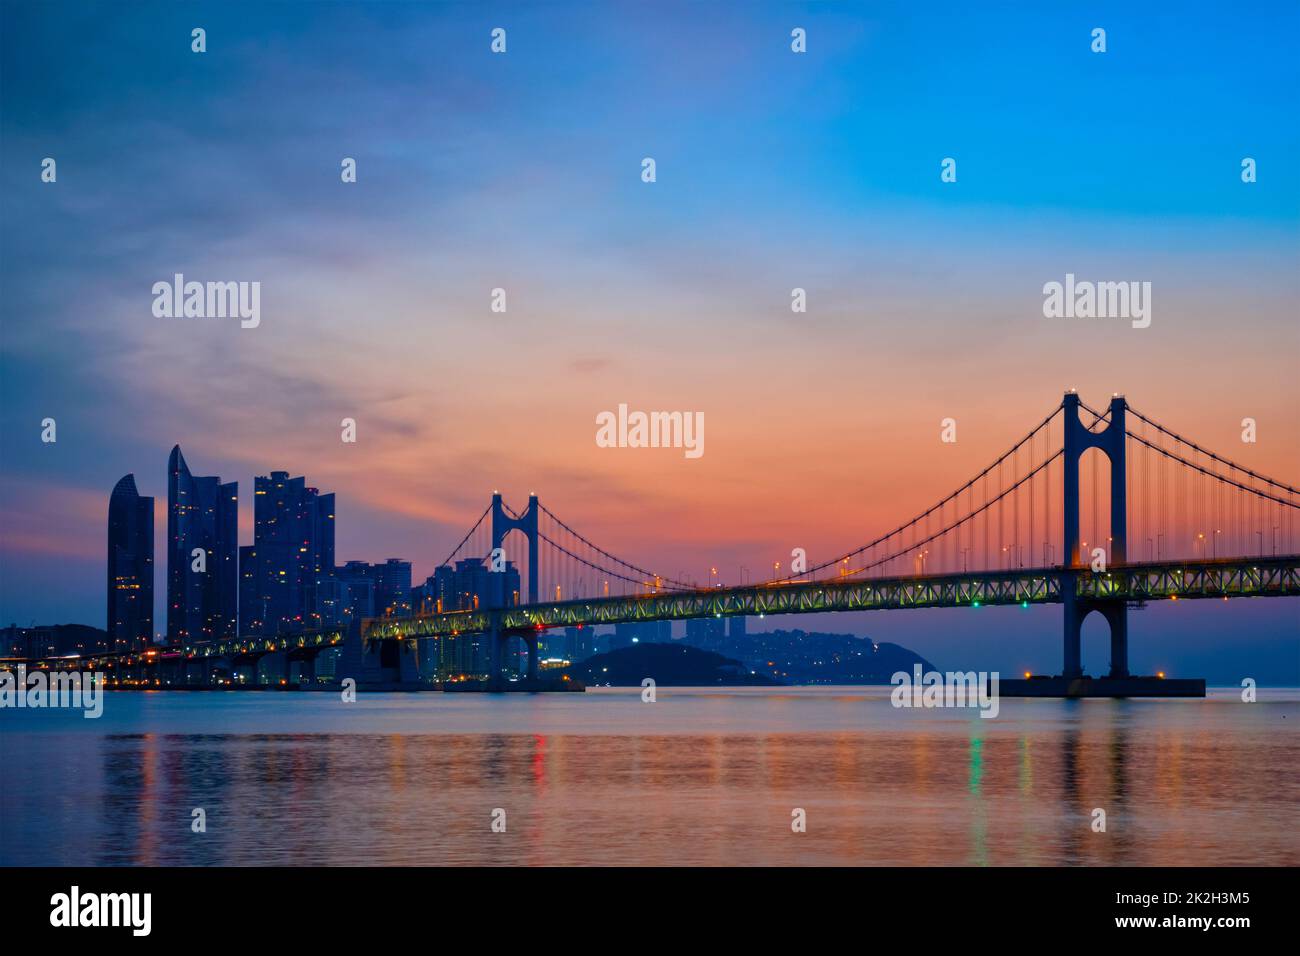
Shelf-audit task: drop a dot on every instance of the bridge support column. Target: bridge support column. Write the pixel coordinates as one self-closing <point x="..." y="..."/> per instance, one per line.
<point x="272" y="669"/>
<point x="306" y="661"/>
<point x="1073" y="620"/>
<point x="531" y="641"/>
<point x="1117" y="617"/>
<point x="495" y="640"/>
<point x="408" y="661"/>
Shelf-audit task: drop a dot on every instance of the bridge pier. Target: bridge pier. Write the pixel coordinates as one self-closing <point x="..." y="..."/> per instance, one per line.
<point x="1116" y="615"/>
<point x="246" y="660"/>
<point x="1074" y="615"/>
<point x="498" y="639"/>
<point x="531" y="641"/>
<point x="305" y="658"/>
<point x="391" y="661"/>
<point x="272" y="669"/>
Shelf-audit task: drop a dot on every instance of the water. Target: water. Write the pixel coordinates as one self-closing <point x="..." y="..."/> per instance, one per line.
<point x="702" y="776"/>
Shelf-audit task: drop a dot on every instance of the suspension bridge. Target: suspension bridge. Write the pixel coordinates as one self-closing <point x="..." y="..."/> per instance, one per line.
<point x="1098" y="511"/>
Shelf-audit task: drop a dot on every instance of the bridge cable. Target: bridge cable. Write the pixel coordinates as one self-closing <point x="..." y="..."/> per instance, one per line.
<point x="968" y="486"/>
<point x="1174" y="435"/>
<point x="601" y="551"/>
<point x="956" y="524"/>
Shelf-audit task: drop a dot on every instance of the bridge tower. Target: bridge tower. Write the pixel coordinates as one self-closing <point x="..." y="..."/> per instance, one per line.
<point x="502" y="524"/>
<point x="1110" y="441"/>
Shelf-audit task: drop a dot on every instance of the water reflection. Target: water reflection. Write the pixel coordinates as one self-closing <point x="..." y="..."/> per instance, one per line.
<point x="935" y="789"/>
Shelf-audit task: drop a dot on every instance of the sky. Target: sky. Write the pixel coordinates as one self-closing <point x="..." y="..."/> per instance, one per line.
<point x="522" y="171"/>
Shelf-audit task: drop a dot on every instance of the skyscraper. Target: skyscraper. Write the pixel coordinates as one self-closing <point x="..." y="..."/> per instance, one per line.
<point x="356" y="591"/>
<point x="471" y="584"/>
<point x="393" y="587"/>
<point x="202" y="590"/>
<point x="284" y="573"/>
<point x="130" y="568"/>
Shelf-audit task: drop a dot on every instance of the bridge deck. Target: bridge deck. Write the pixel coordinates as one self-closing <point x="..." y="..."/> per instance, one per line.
<point x="1259" y="577"/>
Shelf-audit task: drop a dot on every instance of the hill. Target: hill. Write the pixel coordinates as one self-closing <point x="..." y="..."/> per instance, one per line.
<point x="801" y="657"/>
<point x="669" y="665"/>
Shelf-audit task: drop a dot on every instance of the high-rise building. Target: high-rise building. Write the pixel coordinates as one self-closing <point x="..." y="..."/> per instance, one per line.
<point x="285" y="572"/>
<point x="360" y="590"/>
<point x="130" y="568"/>
<point x="393" y="587"/>
<point x="252" y="607"/>
<point x="472" y="584"/>
<point x="356" y="591"/>
<point x="202" y="590"/>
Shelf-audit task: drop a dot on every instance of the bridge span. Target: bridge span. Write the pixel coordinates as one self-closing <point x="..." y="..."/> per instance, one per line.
<point x="1096" y="488"/>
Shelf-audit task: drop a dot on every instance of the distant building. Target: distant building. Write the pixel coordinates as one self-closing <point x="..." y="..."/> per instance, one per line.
<point x="355" y="591"/>
<point x="705" y="632"/>
<point x="202" y="514"/>
<point x="57" y="640"/>
<point x="252" y="606"/>
<point x="361" y="590"/>
<point x="471" y="584"/>
<point x="291" y="561"/>
<point x="736" y="627"/>
<point x="641" y="632"/>
<point x="578" y="642"/>
<point x="130" y="568"/>
<point x="393" y="588"/>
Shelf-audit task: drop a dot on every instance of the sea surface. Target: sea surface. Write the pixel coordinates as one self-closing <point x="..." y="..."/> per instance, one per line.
<point x="699" y="776"/>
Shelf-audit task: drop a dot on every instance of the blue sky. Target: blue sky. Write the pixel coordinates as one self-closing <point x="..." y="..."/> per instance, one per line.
<point x="774" y="170"/>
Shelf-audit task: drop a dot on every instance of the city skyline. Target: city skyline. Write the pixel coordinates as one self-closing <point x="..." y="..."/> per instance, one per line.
<point x="458" y="584"/>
